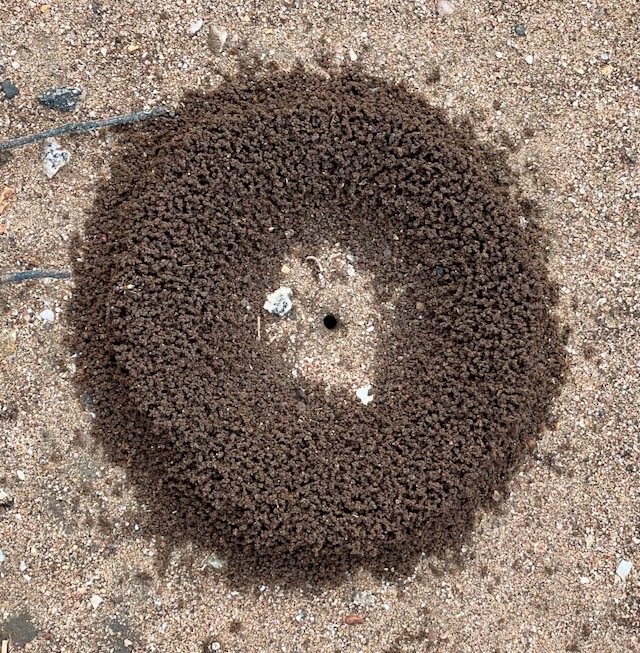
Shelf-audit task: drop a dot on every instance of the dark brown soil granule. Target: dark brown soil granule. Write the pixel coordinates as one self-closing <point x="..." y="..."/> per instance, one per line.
<point x="222" y="444"/>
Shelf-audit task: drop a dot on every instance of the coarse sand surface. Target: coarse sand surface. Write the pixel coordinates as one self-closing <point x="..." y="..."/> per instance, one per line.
<point x="185" y="471"/>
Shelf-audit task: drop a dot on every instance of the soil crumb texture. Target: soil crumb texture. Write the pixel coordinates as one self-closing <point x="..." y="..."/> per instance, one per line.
<point x="251" y="432"/>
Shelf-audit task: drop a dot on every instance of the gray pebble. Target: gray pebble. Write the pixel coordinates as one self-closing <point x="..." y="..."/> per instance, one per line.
<point x="520" y="30"/>
<point x="62" y="99"/>
<point x="9" y="89"/>
<point x="363" y="599"/>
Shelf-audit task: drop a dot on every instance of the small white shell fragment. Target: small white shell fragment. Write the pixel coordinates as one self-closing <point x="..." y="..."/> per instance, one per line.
<point x="624" y="569"/>
<point x="20" y="475"/>
<point x="279" y="302"/>
<point x="352" y="55"/>
<point x="445" y="8"/>
<point x="54" y="157"/>
<point x="47" y="315"/>
<point x="194" y="28"/>
<point x="529" y="59"/>
<point x="95" y="601"/>
<point x="363" y="394"/>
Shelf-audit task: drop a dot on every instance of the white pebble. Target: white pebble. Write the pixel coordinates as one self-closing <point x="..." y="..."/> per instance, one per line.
<point x="194" y="28"/>
<point x="445" y="8"/>
<point x="20" y="474"/>
<point x="23" y="565"/>
<point x="584" y="580"/>
<point x="95" y="601"/>
<point x="624" y="569"/>
<point x="1" y="556"/>
<point x="279" y="302"/>
<point x="363" y="394"/>
<point x="47" y="315"/>
<point x="529" y="59"/>
<point x="352" y="55"/>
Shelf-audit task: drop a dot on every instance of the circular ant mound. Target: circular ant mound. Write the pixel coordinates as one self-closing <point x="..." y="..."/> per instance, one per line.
<point x="411" y="371"/>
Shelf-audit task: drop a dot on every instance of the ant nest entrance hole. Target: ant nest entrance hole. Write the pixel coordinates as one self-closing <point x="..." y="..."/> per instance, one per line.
<point x="330" y="321"/>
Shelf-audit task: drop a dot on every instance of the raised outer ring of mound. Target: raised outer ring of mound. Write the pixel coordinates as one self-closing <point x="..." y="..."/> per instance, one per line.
<point x="192" y="225"/>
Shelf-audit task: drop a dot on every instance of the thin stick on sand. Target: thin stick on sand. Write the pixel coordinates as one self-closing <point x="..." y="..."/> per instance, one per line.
<point x="84" y="127"/>
<point x="25" y="275"/>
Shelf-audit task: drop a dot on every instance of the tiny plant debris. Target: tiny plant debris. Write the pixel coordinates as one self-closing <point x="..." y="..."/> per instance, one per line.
<point x="354" y="620"/>
<point x="6" y="195"/>
<point x="279" y="302"/>
<point x="54" y="158"/>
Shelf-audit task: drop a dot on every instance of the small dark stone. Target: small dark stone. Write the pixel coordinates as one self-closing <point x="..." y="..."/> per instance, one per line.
<point x="439" y="271"/>
<point x="520" y="30"/>
<point x="9" y="89"/>
<point x="62" y="99"/>
<point x="19" y="628"/>
<point x="392" y="139"/>
<point x="632" y="157"/>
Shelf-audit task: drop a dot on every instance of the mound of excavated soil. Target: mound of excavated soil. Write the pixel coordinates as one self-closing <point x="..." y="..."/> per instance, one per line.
<point x="241" y="429"/>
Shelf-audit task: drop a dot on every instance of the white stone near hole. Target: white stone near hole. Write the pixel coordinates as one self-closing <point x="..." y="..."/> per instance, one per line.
<point x="279" y="302"/>
<point x="95" y="601"/>
<point x="363" y="394"/>
<point x="47" y="315"/>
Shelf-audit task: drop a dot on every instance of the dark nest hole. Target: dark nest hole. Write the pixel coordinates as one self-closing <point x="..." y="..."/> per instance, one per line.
<point x="193" y="226"/>
<point x="330" y="321"/>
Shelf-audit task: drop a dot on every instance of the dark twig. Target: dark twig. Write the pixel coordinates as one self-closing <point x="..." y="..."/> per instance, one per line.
<point x="83" y="127"/>
<point x="17" y="277"/>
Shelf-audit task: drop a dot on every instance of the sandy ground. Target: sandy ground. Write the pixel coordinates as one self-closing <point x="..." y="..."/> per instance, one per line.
<point x="539" y="573"/>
